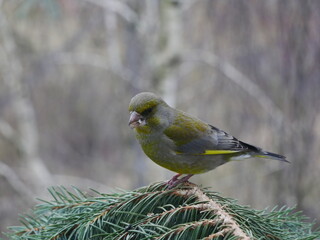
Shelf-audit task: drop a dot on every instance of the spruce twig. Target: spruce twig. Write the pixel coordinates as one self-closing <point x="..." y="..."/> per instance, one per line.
<point x="153" y="212"/>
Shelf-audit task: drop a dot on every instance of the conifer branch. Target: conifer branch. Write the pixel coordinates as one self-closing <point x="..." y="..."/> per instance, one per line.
<point x="222" y="214"/>
<point x="154" y="212"/>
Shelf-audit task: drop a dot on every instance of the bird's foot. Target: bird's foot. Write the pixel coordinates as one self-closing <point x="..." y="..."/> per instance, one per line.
<point x="172" y="182"/>
<point x="175" y="180"/>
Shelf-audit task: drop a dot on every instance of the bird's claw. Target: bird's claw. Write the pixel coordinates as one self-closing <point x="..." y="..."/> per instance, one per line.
<point x="175" y="180"/>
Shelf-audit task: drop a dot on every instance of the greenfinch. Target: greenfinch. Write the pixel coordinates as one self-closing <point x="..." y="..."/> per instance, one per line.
<point x="182" y="143"/>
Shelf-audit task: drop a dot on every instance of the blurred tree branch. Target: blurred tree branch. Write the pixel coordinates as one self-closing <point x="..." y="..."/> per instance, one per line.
<point x="117" y="7"/>
<point x="15" y="182"/>
<point x="240" y="79"/>
<point x="93" y="60"/>
<point x="7" y="132"/>
<point x="27" y="143"/>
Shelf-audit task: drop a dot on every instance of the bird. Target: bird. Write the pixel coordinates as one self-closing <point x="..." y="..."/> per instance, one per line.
<point x="183" y="143"/>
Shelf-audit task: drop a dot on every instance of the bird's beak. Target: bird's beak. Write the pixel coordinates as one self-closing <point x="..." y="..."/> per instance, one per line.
<point x="135" y="119"/>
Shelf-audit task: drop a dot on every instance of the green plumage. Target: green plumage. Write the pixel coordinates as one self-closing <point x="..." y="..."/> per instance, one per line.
<point x="182" y="143"/>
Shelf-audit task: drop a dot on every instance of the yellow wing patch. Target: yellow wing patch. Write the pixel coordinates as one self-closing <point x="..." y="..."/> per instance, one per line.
<point x="214" y="152"/>
<point x="261" y="156"/>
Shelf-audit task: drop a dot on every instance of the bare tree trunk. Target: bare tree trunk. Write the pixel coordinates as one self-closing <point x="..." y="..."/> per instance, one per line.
<point x="169" y="59"/>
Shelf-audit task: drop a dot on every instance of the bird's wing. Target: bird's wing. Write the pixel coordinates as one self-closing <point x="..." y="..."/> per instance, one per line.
<point x="226" y="141"/>
<point x="203" y="139"/>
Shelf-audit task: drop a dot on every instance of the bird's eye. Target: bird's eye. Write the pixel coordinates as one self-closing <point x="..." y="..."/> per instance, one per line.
<point x="147" y="111"/>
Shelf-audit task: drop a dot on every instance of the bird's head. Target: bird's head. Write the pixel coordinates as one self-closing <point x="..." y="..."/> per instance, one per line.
<point x="145" y="111"/>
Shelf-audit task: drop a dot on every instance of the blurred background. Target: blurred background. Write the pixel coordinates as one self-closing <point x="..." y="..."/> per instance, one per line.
<point x="68" y="69"/>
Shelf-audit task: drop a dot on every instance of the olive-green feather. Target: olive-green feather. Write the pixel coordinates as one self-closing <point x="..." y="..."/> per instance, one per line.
<point x="192" y="136"/>
<point x="185" y="129"/>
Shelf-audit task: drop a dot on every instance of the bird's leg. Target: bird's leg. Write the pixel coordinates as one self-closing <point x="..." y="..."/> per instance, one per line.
<point x="174" y="181"/>
<point x="185" y="179"/>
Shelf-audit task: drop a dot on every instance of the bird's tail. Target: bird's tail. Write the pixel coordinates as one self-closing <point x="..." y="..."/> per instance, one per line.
<point x="258" y="152"/>
<point x="270" y="155"/>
